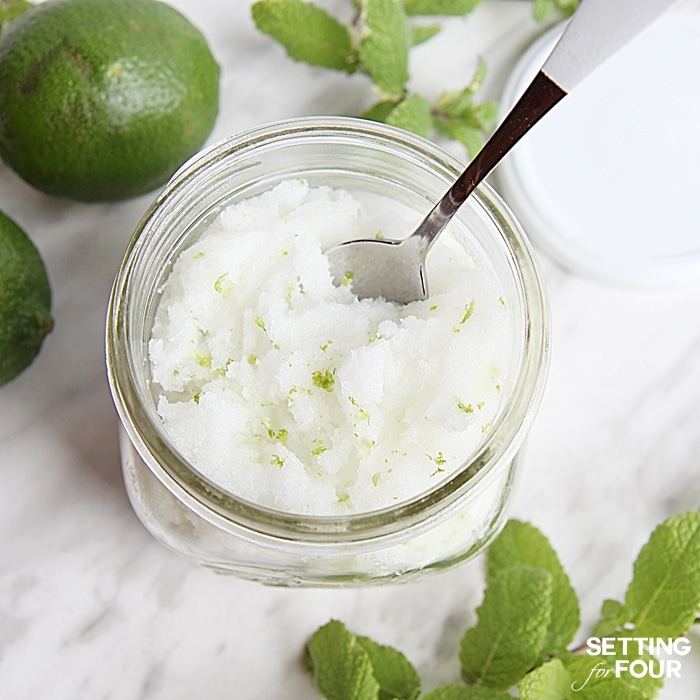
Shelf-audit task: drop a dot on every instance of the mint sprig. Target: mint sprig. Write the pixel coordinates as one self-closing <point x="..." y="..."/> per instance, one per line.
<point x="528" y="617"/>
<point x="376" y="42"/>
<point x="347" y="667"/>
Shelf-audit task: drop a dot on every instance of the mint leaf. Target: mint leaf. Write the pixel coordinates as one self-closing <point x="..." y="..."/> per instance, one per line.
<point x="420" y="34"/>
<point x="307" y="32"/>
<point x="10" y="9"/>
<point x="346" y="667"/>
<point x="465" y="692"/>
<point x="384" y="43"/>
<point x="522" y="544"/>
<point x="612" y="618"/>
<point x="339" y="665"/>
<point x="484" y="114"/>
<point x="439" y="7"/>
<point x="619" y="667"/>
<point x="455" y="103"/>
<point x="627" y="650"/>
<point x="595" y="679"/>
<point x="461" y="130"/>
<point x="412" y="114"/>
<point x="543" y="8"/>
<point x="512" y="629"/>
<point x="396" y="676"/>
<point x="551" y="681"/>
<point x="567" y="6"/>
<point x="664" y="596"/>
<point x="380" y="111"/>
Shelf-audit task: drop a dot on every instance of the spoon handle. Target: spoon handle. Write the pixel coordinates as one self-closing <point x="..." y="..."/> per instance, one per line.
<point x="596" y="31"/>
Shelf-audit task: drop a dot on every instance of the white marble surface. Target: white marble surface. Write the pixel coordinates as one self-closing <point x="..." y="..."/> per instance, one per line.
<point x="91" y="607"/>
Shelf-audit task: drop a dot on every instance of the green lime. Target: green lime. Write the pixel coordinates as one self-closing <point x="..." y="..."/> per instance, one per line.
<point x="25" y="300"/>
<point x="102" y="100"/>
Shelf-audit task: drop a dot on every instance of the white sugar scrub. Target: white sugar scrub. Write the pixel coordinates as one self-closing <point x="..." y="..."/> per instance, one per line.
<point x="290" y="393"/>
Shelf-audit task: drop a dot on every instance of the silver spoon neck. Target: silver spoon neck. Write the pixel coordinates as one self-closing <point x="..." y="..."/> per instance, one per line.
<point x="540" y="96"/>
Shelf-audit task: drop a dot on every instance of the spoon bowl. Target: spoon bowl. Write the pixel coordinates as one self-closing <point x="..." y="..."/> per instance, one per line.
<point x="366" y="264"/>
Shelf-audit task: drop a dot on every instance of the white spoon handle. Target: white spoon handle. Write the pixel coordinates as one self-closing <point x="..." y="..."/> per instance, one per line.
<point x="596" y="31"/>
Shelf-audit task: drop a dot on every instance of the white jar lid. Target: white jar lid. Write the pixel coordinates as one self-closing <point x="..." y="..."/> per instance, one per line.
<point x="608" y="183"/>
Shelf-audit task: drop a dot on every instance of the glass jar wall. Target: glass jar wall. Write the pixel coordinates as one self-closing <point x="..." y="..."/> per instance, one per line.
<point x="424" y="532"/>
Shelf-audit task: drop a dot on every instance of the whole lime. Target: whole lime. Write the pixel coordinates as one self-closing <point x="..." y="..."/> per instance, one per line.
<point x="102" y="100"/>
<point x="25" y="300"/>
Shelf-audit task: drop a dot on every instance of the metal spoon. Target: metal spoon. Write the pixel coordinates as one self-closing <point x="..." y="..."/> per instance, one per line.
<point x="395" y="269"/>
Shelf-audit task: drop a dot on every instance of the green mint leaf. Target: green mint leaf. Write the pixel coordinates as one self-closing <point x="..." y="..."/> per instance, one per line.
<point x="484" y="114"/>
<point x="522" y="544"/>
<point x="380" y="111"/>
<point x="542" y="9"/>
<point x="420" y="34"/>
<point x="471" y="137"/>
<point x="384" y="44"/>
<point x="392" y="670"/>
<point x="340" y="667"/>
<point x="412" y="114"/>
<point x="455" y="103"/>
<point x="439" y="7"/>
<point x="628" y="651"/>
<point x="593" y="678"/>
<point x="11" y="9"/>
<point x="514" y="620"/>
<point x="664" y="596"/>
<point x="307" y="32"/>
<point x="612" y="618"/>
<point x="465" y="692"/>
<point x="551" y="681"/>
<point x="461" y="106"/>
<point x="567" y="6"/>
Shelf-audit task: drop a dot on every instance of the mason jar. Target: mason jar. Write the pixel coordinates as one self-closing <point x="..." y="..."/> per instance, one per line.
<point x="189" y="513"/>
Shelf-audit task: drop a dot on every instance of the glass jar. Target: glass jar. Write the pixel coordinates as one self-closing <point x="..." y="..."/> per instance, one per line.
<point x="187" y="512"/>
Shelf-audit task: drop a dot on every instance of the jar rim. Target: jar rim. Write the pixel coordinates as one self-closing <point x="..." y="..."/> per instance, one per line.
<point x="232" y="512"/>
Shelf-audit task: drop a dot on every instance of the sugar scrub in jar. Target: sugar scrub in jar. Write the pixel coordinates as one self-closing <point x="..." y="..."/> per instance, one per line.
<point x="274" y="426"/>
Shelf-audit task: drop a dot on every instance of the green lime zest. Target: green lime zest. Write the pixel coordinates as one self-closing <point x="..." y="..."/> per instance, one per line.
<point x="347" y="278"/>
<point x="324" y="379"/>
